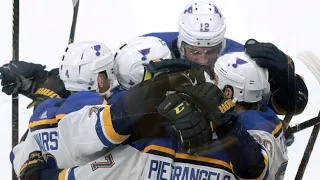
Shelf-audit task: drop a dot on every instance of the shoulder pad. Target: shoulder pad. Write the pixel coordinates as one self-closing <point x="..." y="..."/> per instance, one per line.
<point x="77" y="101"/>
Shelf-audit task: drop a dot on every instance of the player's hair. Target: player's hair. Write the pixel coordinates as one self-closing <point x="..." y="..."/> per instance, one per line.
<point x="246" y="105"/>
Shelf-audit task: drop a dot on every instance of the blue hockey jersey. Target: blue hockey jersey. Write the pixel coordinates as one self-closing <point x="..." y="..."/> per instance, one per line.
<point x="171" y="39"/>
<point x="117" y="92"/>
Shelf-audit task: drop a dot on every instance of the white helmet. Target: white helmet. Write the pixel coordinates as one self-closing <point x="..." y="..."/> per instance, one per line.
<point x="201" y="24"/>
<point x="82" y="62"/>
<point x="248" y="80"/>
<point x="131" y="55"/>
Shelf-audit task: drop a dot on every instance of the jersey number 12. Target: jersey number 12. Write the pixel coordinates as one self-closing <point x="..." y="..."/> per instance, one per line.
<point x="204" y="27"/>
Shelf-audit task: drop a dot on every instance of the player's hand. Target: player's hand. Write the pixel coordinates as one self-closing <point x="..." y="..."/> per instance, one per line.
<point x="167" y="66"/>
<point x="138" y="107"/>
<point x="289" y="92"/>
<point x="211" y="101"/>
<point x="30" y="169"/>
<point x="53" y="87"/>
<point x="27" y="70"/>
<point x="9" y="82"/>
<point x="191" y="128"/>
<point x="280" y="66"/>
<point x="18" y="76"/>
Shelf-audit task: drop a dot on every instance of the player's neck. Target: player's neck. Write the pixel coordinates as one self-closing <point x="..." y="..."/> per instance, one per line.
<point x="239" y="108"/>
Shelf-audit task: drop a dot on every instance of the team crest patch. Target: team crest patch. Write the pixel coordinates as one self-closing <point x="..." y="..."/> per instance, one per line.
<point x="144" y="53"/>
<point x="239" y="61"/>
<point x="97" y="48"/>
<point x="189" y="10"/>
<point x="94" y="109"/>
<point x="67" y="73"/>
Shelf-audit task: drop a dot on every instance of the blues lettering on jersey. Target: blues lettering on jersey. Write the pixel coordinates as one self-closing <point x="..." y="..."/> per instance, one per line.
<point x="164" y="170"/>
<point x="47" y="141"/>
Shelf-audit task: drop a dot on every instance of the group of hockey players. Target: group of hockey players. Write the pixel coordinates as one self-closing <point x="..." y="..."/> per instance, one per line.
<point x="188" y="105"/>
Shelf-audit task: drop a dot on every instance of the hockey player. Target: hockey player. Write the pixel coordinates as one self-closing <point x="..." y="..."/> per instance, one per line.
<point x="201" y="33"/>
<point x="84" y="67"/>
<point x="138" y="51"/>
<point x="242" y="80"/>
<point x="129" y="58"/>
<point x="234" y="155"/>
<point x="201" y="38"/>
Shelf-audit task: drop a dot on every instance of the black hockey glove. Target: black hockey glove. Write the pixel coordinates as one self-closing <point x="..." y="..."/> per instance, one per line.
<point x="267" y="55"/>
<point x="191" y="128"/>
<point x="9" y="82"/>
<point x="211" y="101"/>
<point x="142" y="119"/>
<point x="20" y="76"/>
<point x="282" y="76"/>
<point x="30" y="169"/>
<point x="53" y="87"/>
<point x="167" y="66"/>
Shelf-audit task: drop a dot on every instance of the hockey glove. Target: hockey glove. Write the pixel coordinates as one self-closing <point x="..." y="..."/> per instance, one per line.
<point x="30" y="169"/>
<point x="159" y="67"/>
<point x="9" y="82"/>
<point x="53" y="87"/>
<point x="280" y="66"/>
<point x="211" y="101"/>
<point x="20" y="76"/>
<point x="192" y="130"/>
<point x="289" y="93"/>
<point x="136" y="113"/>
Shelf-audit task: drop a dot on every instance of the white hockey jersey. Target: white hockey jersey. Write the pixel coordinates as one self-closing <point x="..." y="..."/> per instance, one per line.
<point x="162" y="158"/>
<point x="43" y="133"/>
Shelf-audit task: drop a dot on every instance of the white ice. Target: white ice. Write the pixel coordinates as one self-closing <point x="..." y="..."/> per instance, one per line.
<point x="45" y="25"/>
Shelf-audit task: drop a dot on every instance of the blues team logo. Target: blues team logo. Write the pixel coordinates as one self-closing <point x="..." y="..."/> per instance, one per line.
<point x="239" y="61"/>
<point x="216" y="10"/>
<point x="67" y="73"/>
<point x="189" y="10"/>
<point x="144" y="53"/>
<point x="97" y="48"/>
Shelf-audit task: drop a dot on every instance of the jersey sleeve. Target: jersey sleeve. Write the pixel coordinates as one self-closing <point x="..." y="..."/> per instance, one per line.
<point x="274" y="149"/>
<point x="124" y="162"/>
<point x="87" y="131"/>
<point x="20" y="153"/>
<point x="253" y="161"/>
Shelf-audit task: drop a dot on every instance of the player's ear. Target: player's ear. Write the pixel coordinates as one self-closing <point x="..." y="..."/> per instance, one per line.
<point x="182" y="49"/>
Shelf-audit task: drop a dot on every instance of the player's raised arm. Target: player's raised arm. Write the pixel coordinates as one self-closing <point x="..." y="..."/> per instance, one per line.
<point x="31" y="80"/>
<point x="289" y="91"/>
<point x="22" y="77"/>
